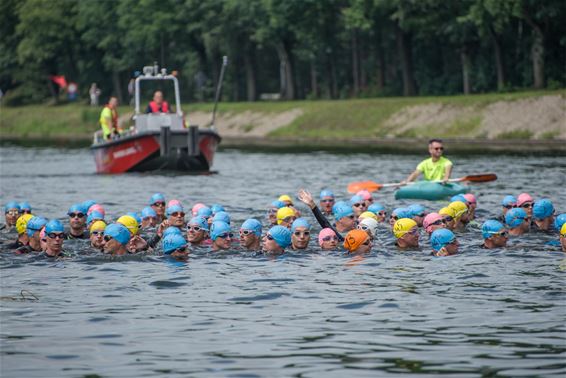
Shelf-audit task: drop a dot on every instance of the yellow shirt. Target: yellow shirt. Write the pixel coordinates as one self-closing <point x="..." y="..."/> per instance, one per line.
<point x="434" y="171"/>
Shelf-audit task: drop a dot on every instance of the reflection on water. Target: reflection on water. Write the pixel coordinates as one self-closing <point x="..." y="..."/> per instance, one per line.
<point x="481" y="313"/>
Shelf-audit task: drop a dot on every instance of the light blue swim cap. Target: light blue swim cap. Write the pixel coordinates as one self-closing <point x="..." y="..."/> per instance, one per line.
<point x="509" y="200"/>
<point x="401" y="212"/>
<point x="356" y="199"/>
<point x="342" y="209"/>
<point x="173" y="242"/>
<point x="148" y="212"/>
<point x="543" y="208"/>
<point x="157" y="197"/>
<point x="326" y="193"/>
<point x="218" y="228"/>
<point x="376" y="207"/>
<point x="416" y="209"/>
<point x="93" y="216"/>
<point x="440" y="238"/>
<point x="11" y="205"/>
<point x="199" y="221"/>
<point x="25" y="206"/>
<point x="174" y="209"/>
<point x="281" y="235"/>
<point x="461" y="198"/>
<point x="216" y="208"/>
<point x="205" y="212"/>
<point x="118" y="232"/>
<point x="278" y="204"/>
<point x="300" y="222"/>
<point x="54" y="225"/>
<point x="515" y="217"/>
<point x="559" y="221"/>
<point x="252" y="225"/>
<point x="171" y="230"/>
<point x="76" y="208"/>
<point x="491" y="227"/>
<point x="87" y="204"/>
<point x="35" y="224"/>
<point x="221" y="216"/>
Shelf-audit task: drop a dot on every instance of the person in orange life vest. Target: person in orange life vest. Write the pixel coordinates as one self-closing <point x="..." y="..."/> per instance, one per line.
<point x="157" y="105"/>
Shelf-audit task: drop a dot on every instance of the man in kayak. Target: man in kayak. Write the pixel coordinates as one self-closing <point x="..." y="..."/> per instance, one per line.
<point x="158" y="105"/>
<point x="435" y="168"/>
<point x="109" y="119"/>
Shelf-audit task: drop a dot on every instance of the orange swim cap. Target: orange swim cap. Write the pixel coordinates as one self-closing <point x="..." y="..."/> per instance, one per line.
<point x="354" y="239"/>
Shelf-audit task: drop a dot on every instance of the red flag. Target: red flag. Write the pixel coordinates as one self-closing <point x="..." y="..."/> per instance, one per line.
<point x="59" y="80"/>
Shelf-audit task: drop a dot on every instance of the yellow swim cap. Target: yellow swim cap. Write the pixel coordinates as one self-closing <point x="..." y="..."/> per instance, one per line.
<point x="97" y="226"/>
<point x="459" y="207"/>
<point x="402" y="226"/>
<point x="130" y="223"/>
<point x="284" y="212"/>
<point x="563" y="230"/>
<point x="285" y="198"/>
<point x="447" y="211"/>
<point x="368" y="214"/>
<point x="22" y="222"/>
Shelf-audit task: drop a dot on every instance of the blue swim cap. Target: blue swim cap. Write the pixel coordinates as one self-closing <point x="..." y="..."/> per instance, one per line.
<point x="281" y="235"/>
<point x="174" y="209"/>
<point x="94" y="215"/>
<point x="402" y="212"/>
<point x="173" y="242"/>
<point x="356" y="199"/>
<point x="221" y="216"/>
<point x="341" y="209"/>
<point x="136" y="216"/>
<point x="171" y="230"/>
<point x="218" y="228"/>
<point x="416" y="209"/>
<point x="278" y="204"/>
<point x="376" y="207"/>
<point x="509" y="200"/>
<point x="515" y="217"/>
<point x="205" y="212"/>
<point x="326" y="193"/>
<point x="35" y="224"/>
<point x="216" y="208"/>
<point x="87" y="204"/>
<point x="300" y="222"/>
<point x="252" y="225"/>
<point x="543" y="208"/>
<point x="118" y="232"/>
<point x="157" y="197"/>
<point x="199" y="221"/>
<point x="440" y="238"/>
<point x="25" y="206"/>
<point x="459" y="197"/>
<point x="76" y="208"/>
<point x="11" y="205"/>
<point x="559" y="221"/>
<point x="491" y="227"/>
<point x="54" y="225"/>
<point x="148" y="212"/>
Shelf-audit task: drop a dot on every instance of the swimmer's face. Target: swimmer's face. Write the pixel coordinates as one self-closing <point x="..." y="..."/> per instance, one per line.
<point x="348" y="222"/>
<point x="97" y="238"/>
<point x="223" y="241"/>
<point x="365" y="247"/>
<point x="452" y="248"/>
<point x="330" y="243"/>
<point x="359" y="207"/>
<point x="195" y="233"/>
<point x="177" y="219"/>
<point x="300" y="237"/>
<point x="12" y="216"/>
<point x="270" y="245"/>
<point x="326" y="204"/>
<point x="411" y="238"/>
<point x="247" y="238"/>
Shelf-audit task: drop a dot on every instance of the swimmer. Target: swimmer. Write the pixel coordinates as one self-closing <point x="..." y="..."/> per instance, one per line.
<point x="97" y="235"/>
<point x="136" y="242"/>
<point x="196" y="208"/>
<point x="197" y="230"/>
<point x="93" y="217"/>
<point x="507" y="204"/>
<point x="23" y="238"/>
<point x="418" y="212"/>
<point x="357" y="241"/>
<point x="526" y="202"/>
<point x="543" y="214"/>
<point x="399" y="213"/>
<point x="216" y="208"/>
<point x="250" y="235"/>
<point x="460" y="214"/>
<point x="206" y="213"/>
<point x="116" y="238"/>
<point x="563" y="237"/>
<point x="472" y="205"/>
<point x="12" y="213"/>
<point x="272" y="212"/>
<point x="77" y="222"/>
<point x="449" y="215"/>
<point x="327" y="200"/>
<point x="33" y="229"/>
<point x="54" y="236"/>
<point x="379" y="210"/>
<point x="517" y="220"/>
<point x="96" y="207"/>
<point x="149" y="218"/>
<point x="367" y="197"/>
<point x="494" y="234"/>
<point x="358" y="205"/>
<point x="276" y="240"/>
<point x="367" y="214"/>
<point x="174" y="245"/>
<point x="25" y="207"/>
<point x="558" y="222"/>
<point x="444" y="243"/>
<point x="406" y="232"/>
<point x="157" y="203"/>
<point x="346" y="215"/>
<point x="222" y="216"/>
<point x="327" y="239"/>
<point x="300" y="234"/>
<point x="221" y="235"/>
<point x="175" y="216"/>
<point x="432" y="222"/>
<point x="286" y="216"/>
<point x="288" y="201"/>
<point x="370" y="226"/>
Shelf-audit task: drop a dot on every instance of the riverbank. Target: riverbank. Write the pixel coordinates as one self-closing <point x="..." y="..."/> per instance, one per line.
<point x="522" y="121"/>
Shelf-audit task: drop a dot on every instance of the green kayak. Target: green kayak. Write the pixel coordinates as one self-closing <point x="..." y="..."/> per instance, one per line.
<point x="428" y="190"/>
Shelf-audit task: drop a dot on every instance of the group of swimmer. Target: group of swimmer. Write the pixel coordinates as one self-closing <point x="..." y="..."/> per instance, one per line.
<point x="357" y="224"/>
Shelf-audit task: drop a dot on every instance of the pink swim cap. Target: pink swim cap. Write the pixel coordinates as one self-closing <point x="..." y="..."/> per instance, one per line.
<point x="324" y="233"/>
<point x="196" y="208"/>
<point x="364" y="194"/>
<point x="174" y="202"/>
<point x="430" y="219"/>
<point x="96" y="207"/>
<point x="470" y="198"/>
<point x="524" y="197"/>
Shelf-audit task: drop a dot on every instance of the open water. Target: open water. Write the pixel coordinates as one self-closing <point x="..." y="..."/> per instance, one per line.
<point x="312" y="314"/>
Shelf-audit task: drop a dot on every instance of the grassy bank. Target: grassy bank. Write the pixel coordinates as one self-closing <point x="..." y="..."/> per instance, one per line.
<point x="338" y="120"/>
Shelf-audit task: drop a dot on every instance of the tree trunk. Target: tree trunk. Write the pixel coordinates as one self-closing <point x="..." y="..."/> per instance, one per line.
<point x="117" y="86"/>
<point x="537" y="51"/>
<point x="404" y="47"/>
<point x="250" y="76"/>
<point x="500" y="68"/>
<point x="363" y="70"/>
<point x="355" y="65"/>
<point x="285" y="59"/>
<point x="314" y="79"/>
<point x="334" y="79"/>
<point x="466" y="64"/>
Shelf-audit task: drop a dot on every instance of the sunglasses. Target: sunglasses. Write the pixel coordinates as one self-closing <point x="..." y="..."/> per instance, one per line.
<point x="299" y="233"/>
<point x="367" y="242"/>
<point x="363" y="227"/>
<point x="178" y="214"/>
<point x="327" y="200"/>
<point x="395" y="217"/>
<point x="26" y="211"/>
<point x="246" y="232"/>
<point x="96" y="233"/>
<point x="148" y="218"/>
<point x="329" y="238"/>
<point x="382" y="213"/>
<point x="438" y="222"/>
<point x="413" y="231"/>
<point x="448" y="218"/>
<point x="438" y="148"/>
<point x="289" y="219"/>
<point x="194" y="228"/>
<point x="351" y="217"/>
<point x="272" y="210"/>
<point x="76" y="215"/>
<point x="508" y="206"/>
<point x="269" y="237"/>
<point x="503" y="234"/>
<point x="226" y="235"/>
<point x="421" y="215"/>
<point x="526" y="205"/>
<point x="358" y="204"/>
<point x="159" y="203"/>
<point x="182" y="249"/>
<point x="12" y="212"/>
<point x="59" y="235"/>
<point x="107" y="238"/>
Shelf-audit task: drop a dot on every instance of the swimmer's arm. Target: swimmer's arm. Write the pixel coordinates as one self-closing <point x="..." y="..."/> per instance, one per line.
<point x="306" y="198"/>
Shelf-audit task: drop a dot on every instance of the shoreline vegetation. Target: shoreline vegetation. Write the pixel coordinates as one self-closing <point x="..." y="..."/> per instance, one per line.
<point x="533" y="121"/>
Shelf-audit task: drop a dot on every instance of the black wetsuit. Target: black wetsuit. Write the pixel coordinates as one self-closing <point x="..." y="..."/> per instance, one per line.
<point x="324" y="222"/>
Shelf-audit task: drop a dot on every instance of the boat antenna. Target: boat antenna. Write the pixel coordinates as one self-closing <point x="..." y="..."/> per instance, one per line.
<point x="218" y="90"/>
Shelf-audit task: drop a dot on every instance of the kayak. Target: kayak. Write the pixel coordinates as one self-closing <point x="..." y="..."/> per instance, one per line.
<point x="429" y="190"/>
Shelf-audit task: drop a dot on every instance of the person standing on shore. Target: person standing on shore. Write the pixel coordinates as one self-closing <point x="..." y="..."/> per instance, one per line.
<point x="435" y="168"/>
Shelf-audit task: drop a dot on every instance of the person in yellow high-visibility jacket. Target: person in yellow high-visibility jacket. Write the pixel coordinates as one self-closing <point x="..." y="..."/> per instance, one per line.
<point x="109" y="119"/>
